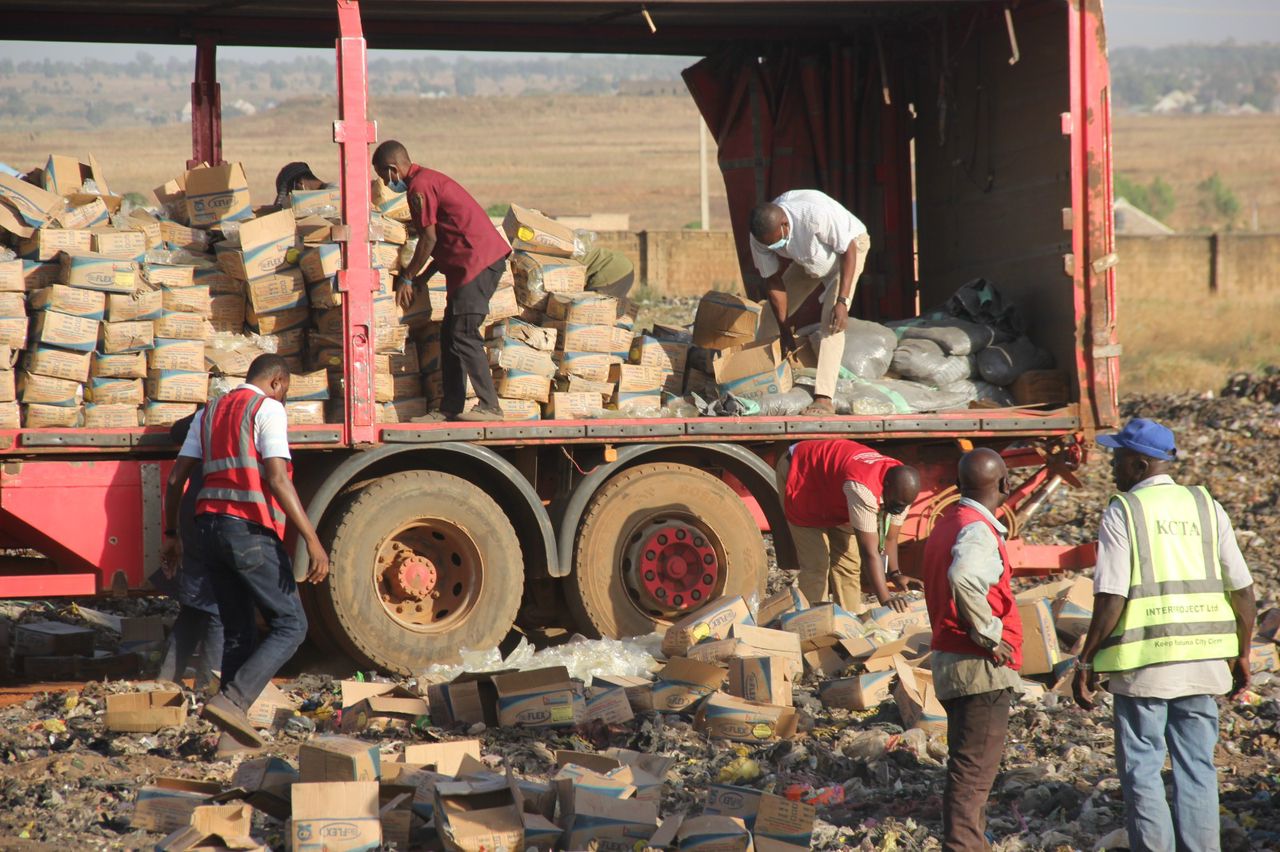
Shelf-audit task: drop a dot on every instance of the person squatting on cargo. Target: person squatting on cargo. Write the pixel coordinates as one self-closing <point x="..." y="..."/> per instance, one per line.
<point x="609" y="272"/>
<point x="845" y="504"/>
<point x="456" y="235"/>
<point x="977" y="642"/>
<point x="825" y="246"/>
<point x="297" y="176"/>
<point x="1172" y="622"/>
<point x="241" y="441"/>
<point x="198" y="624"/>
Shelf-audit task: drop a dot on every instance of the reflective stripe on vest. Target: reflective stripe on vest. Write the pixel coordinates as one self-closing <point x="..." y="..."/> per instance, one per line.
<point x="1178" y="609"/>
<point x="237" y="496"/>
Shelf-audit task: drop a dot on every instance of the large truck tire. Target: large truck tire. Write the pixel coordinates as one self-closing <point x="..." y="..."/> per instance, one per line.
<point x="657" y="541"/>
<point x="424" y="566"/>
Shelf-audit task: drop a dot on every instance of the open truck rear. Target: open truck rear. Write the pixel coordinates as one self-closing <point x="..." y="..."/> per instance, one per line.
<point x="973" y="138"/>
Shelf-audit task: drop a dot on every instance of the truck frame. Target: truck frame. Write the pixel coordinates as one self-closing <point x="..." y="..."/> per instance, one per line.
<point x="445" y="536"/>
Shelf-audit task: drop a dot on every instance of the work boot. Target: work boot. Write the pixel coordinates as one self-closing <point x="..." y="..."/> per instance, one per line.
<point x="222" y="711"/>
<point x="480" y="414"/>
<point x="430" y="417"/>
<point x="230" y="746"/>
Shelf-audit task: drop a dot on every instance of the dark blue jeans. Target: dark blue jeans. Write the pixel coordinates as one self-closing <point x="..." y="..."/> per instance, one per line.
<point x="194" y="628"/>
<point x="250" y="569"/>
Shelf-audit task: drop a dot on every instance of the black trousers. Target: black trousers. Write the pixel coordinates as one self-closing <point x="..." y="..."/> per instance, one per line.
<point x="462" y="354"/>
<point x="976" y="729"/>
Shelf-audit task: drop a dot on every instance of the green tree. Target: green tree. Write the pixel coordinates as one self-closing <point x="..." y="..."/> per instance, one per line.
<point x="1217" y="198"/>
<point x="1156" y="198"/>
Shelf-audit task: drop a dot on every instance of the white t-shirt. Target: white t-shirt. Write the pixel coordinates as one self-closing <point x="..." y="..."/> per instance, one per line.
<point x="821" y="230"/>
<point x="270" y="430"/>
<point x="1112" y="576"/>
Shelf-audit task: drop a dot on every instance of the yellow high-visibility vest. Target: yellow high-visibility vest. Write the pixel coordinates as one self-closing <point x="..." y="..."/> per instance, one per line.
<point x="1178" y="609"/>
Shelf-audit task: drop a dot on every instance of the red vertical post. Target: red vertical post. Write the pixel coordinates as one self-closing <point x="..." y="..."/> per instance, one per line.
<point x="357" y="280"/>
<point x="206" y="106"/>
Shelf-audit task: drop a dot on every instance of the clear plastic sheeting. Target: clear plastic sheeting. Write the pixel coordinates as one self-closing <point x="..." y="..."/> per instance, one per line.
<point x="7" y="254"/>
<point x="177" y="257"/>
<point x="584" y="658"/>
<point x="786" y="404"/>
<point x="979" y="391"/>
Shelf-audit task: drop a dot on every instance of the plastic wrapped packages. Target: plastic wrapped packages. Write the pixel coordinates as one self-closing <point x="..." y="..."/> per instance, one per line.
<point x="1002" y="363"/>
<point x="923" y="360"/>
<point x="177" y="257"/>
<point x="584" y="242"/>
<point x="584" y="658"/>
<point x="868" y="348"/>
<point x="893" y="396"/>
<point x="405" y="255"/>
<point x="7" y="254"/>
<point x="954" y="336"/>
<point x="979" y="391"/>
<point x="786" y="404"/>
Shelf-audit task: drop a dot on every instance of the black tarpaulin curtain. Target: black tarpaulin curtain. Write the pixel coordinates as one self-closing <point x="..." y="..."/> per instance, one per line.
<point x="787" y="118"/>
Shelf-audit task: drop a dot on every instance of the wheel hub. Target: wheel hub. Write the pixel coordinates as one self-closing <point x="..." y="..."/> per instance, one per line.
<point x="411" y="577"/>
<point x="428" y="574"/>
<point x="674" y="566"/>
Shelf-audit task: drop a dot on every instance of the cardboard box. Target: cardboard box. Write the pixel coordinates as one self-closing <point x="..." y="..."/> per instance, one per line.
<point x="321" y="263"/>
<point x="516" y="330"/>
<point x="166" y="413"/>
<point x="573" y="779"/>
<point x="175" y="325"/>
<point x="537" y="276"/>
<point x="272" y="708"/>
<point x="1040" y="651"/>
<point x="824" y="619"/>
<point x="913" y="619"/>
<point x="469" y="698"/>
<point x="514" y="410"/>
<point x="379" y="705"/>
<point x="115" y="392"/>
<point x="573" y="406"/>
<point x="761" y="678"/>
<point x="10" y="418"/>
<point x="772" y="608"/>
<point x="96" y="272"/>
<point x="192" y="299"/>
<point x="265" y="783"/>
<point x="48" y="244"/>
<point x="13" y="305"/>
<point x="1041" y="387"/>
<point x="309" y="386"/>
<point x="752" y="371"/>
<point x="639" y="691"/>
<point x="541" y="833"/>
<point x="710" y="833"/>
<point x="528" y="230"/>
<point x="443" y="758"/>
<point x="724" y="320"/>
<point x="226" y="313"/>
<point x="917" y="701"/>
<point x="265" y="245"/>
<point x="588" y="365"/>
<point x="335" y="817"/>
<point x="145" y="712"/>
<point x="609" y="823"/>
<point x="181" y="355"/>
<point x="65" y="175"/>
<point x="11" y="278"/>
<point x="128" y="365"/>
<point x="37" y="274"/>
<point x="178" y="235"/>
<point x="666" y="355"/>
<point x="138" y="305"/>
<point x="502" y="305"/>
<point x="98" y="416"/>
<point x="74" y="301"/>
<point x="583" y="308"/>
<point x="281" y="291"/>
<point x="131" y="336"/>
<point x="8" y="387"/>
<point x="215" y="827"/>
<point x="323" y="202"/>
<point x="44" y="390"/>
<point x="635" y="378"/>
<point x="538" y="698"/>
<point x="518" y="384"/>
<point x="51" y="638"/>
<point x="215" y="194"/>
<point x="724" y="716"/>
<point x="513" y="355"/>
<point x="337" y="758"/>
<point x="177" y="386"/>
<point x="712" y="621"/>
<point x="861" y="692"/>
<point x="784" y="822"/>
<point x="729" y="800"/>
<point x="1073" y="608"/>
<point x="828" y="656"/>
<point x="1263" y="657"/>
<point x="394" y="205"/>
<point x="32" y="203"/>
<point x="610" y="706"/>
<point x="125" y="245"/>
<point x="683" y="682"/>
<point x="745" y="640"/>
<point x="166" y="804"/>
<point x="13" y="332"/>
<point x="479" y="816"/>
<point x="58" y="363"/>
<point x="40" y="416"/>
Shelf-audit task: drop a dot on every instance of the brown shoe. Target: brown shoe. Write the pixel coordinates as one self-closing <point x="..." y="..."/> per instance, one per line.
<point x="430" y="417"/>
<point x="222" y="711"/>
<point x="230" y="746"/>
<point x="480" y="415"/>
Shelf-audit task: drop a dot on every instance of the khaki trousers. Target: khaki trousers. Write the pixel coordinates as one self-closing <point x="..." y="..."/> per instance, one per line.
<point x="800" y="284"/>
<point x="829" y="557"/>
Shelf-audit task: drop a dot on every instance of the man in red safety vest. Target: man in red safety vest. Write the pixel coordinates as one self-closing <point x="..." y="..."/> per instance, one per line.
<point x="845" y="503"/>
<point x="242" y="441"/>
<point x="977" y="643"/>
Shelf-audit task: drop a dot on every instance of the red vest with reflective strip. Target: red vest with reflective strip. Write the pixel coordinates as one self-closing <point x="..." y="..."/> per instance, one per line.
<point x="949" y="633"/>
<point x="234" y="473"/>
<point x="819" y="470"/>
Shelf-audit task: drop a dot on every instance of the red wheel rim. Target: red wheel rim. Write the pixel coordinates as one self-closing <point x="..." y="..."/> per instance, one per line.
<point x="672" y="566"/>
<point x="428" y="575"/>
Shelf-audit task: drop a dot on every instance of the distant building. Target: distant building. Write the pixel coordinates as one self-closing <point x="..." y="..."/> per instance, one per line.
<point x="1175" y="101"/>
<point x="1132" y="222"/>
<point x="652" y="88"/>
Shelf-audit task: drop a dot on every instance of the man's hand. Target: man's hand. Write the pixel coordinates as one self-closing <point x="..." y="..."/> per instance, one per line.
<point x="906" y="584"/>
<point x="839" y="318"/>
<point x="319" y="568"/>
<point x="1002" y="653"/>
<point x="171" y="556"/>
<point x="1084" y="686"/>
<point x="898" y="603"/>
<point x="404" y="295"/>
<point x="1241" y="677"/>
<point x="787" y="339"/>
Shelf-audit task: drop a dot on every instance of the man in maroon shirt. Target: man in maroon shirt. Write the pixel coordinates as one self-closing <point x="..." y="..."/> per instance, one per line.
<point x="456" y="235"/>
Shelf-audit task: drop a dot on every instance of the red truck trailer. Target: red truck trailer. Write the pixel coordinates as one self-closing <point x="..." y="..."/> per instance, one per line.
<point x="972" y="137"/>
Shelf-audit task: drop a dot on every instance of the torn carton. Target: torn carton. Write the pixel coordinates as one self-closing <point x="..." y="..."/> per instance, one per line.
<point x="335" y="817"/>
<point x="857" y="693"/>
<point x="145" y="712"/>
<point x="682" y="683"/>
<point x="711" y="621"/>
<point x="538" y="698"/>
<point x="335" y="758"/>
<point x="444" y="758"/>
<point x="722" y="715"/>
<point x="479" y="816"/>
<point x="917" y="702"/>
<point x="215" y="827"/>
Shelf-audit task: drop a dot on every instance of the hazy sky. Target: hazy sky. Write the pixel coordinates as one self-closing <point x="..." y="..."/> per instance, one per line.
<point x="1147" y="23"/>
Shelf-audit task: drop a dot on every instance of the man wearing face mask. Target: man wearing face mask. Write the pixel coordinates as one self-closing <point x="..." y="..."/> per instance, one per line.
<point x="1173" y="613"/>
<point x="241" y="441"/>
<point x="845" y="504"/>
<point x="977" y="642"/>
<point x="456" y="237"/>
<point x="824" y="245"/>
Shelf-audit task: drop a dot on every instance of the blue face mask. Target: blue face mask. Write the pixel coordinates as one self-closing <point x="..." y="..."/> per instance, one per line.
<point x="398" y="185"/>
<point x="779" y="245"/>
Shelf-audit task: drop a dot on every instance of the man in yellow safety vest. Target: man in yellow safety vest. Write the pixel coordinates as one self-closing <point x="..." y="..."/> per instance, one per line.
<point x="1172" y="621"/>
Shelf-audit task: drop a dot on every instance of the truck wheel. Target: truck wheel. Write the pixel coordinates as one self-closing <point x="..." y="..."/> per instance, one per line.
<point x="659" y="540"/>
<point x="424" y="565"/>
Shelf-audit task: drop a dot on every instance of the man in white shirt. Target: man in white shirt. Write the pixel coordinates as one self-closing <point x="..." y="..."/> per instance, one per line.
<point x="824" y="245"/>
<point x="1172" y="623"/>
<point x="241" y="441"/>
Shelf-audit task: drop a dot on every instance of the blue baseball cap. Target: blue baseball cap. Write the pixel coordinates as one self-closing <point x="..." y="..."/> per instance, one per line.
<point x="1145" y="437"/>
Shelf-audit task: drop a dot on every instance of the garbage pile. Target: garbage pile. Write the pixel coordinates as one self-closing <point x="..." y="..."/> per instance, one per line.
<point x="128" y="315"/>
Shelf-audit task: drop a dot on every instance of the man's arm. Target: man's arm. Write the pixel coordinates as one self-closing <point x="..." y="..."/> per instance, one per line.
<point x="873" y="570"/>
<point x="1245" y="606"/>
<point x="416" y="268"/>
<point x="171" y="547"/>
<point x="1107" y="610"/>
<point x="848" y="266"/>
<point x="778" y="301"/>
<point x="282" y="488"/>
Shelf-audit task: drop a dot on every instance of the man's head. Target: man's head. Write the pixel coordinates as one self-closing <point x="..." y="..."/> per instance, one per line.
<point x="1142" y="448"/>
<point x="984" y="477"/>
<point x="769" y="225"/>
<point x="270" y="373"/>
<point x="901" y="487"/>
<point x="295" y="176"/>
<point x="391" y="162"/>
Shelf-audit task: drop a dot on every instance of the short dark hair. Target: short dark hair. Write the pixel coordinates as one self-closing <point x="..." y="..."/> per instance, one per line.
<point x="764" y="218"/>
<point x="389" y="152"/>
<point x="267" y="366"/>
<point x="289" y="176"/>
